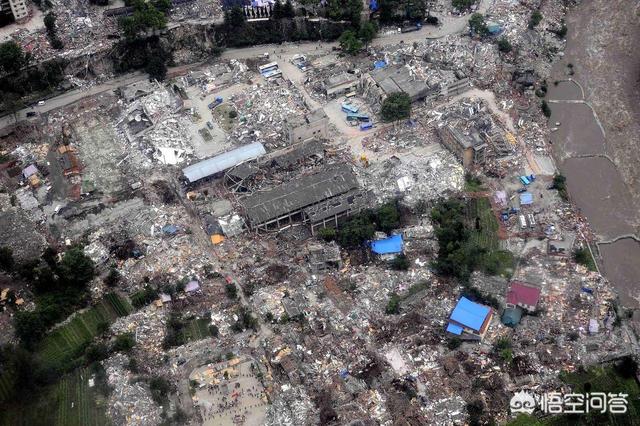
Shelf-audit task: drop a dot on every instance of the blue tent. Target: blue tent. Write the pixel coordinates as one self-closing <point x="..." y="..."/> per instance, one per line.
<point x="526" y="198"/>
<point x="390" y="245"/>
<point x="379" y="64"/>
<point x="469" y="314"/>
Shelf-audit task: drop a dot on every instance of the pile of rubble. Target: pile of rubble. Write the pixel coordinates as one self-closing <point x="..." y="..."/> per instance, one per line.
<point x="130" y="402"/>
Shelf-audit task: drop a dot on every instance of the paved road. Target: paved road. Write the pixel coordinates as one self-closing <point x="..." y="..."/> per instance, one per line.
<point x="450" y="25"/>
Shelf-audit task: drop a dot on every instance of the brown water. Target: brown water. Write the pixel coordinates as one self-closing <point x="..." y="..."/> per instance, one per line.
<point x="583" y="154"/>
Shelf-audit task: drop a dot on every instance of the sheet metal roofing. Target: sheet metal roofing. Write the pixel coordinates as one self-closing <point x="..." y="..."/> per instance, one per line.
<point x="470" y="314"/>
<point x="522" y="293"/>
<point x="222" y="162"/>
<point x="292" y="196"/>
<point x="390" y="245"/>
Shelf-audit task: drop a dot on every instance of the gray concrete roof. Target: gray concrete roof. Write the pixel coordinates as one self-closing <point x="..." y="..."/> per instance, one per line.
<point x="293" y="196"/>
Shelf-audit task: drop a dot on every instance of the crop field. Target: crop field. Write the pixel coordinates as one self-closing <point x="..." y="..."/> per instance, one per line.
<point x="196" y="329"/>
<point x="6" y="382"/>
<point x="65" y="342"/>
<point x="486" y="232"/>
<point x="71" y="402"/>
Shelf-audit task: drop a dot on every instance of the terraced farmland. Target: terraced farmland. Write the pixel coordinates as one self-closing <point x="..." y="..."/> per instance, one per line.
<point x="64" y="343"/>
<point x="70" y="402"/>
<point x="487" y="236"/>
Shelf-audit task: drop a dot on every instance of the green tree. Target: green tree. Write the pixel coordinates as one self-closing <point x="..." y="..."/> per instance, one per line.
<point x="277" y="12"/>
<point x="400" y="263"/>
<point x="231" y="290"/>
<point x="504" y="45"/>
<point x="112" y="278"/>
<point x="163" y="6"/>
<point x="396" y="106"/>
<point x="287" y="10"/>
<point x="349" y="43"/>
<point x="6" y="259"/>
<point x="356" y="231"/>
<point x="12" y="58"/>
<point x="50" y="23"/>
<point x="387" y="217"/>
<point x="535" y="19"/>
<point x="28" y="327"/>
<point x="234" y="18"/>
<point x="12" y="103"/>
<point x="462" y="5"/>
<point x="478" y="25"/>
<point x="345" y="10"/>
<point x="546" y="110"/>
<point x="393" y="305"/>
<point x="156" y="68"/>
<point x="124" y="342"/>
<point x="367" y="32"/>
<point x="75" y="268"/>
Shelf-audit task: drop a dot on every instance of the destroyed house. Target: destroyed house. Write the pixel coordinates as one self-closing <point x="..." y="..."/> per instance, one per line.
<point x="297" y="154"/>
<point x="470" y="150"/>
<point x="382" y="82"/>
<point x="284" y="204"/>
<point x="222" y="162"/>
<point x="469" y="320"/>
<point x="328" y="213"/>
<point x="312" y="125"/>
<point x="339" y="84"/>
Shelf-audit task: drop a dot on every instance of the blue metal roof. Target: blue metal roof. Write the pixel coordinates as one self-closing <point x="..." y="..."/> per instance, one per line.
<point x="526" y="198"/>
<point x="470" y="314"/>
<point x="224" y="161"/>
<point x="455" y="329"/>
<point x="390" y="245"/>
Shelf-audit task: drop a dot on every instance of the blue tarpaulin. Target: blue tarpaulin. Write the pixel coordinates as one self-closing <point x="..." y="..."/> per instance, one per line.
<point x="379" y="64"/>
<point x="587" y="290"/>
<point x="524" y="180"/>
<point x="170" y="229"/>
<point x="390" y="245"/>
<point x="455" y="329"/>
<point x="470" y="314"/>
<point x="526" y="198"/>
<point x="373" y="5"/>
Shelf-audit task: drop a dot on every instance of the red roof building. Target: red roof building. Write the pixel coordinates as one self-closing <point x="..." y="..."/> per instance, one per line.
<point x="523" y="295"/>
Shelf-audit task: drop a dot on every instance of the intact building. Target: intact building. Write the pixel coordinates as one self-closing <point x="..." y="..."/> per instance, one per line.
<point x="312" y="126"/>
<point x="470" y="150"/>
<point x="13" y="10"/>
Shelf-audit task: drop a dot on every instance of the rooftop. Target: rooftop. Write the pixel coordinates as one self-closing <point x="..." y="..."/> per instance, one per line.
<point x="221" y="162"/>
<point x="295" y="195"/>
<point x="523" y="293"/>
<point x="470" y="314"/>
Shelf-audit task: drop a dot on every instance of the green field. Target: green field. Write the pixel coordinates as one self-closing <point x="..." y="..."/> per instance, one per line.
<point x="487" y="236"/>
<point x="6" y="384"/>
<point x="71" y="402"/>
<point x="64" y="343"/>
<point x="601" y="379"/>
<point x="196" y="329"/>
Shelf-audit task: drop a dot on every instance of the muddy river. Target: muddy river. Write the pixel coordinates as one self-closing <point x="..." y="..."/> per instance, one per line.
<point x="586" y="156"/>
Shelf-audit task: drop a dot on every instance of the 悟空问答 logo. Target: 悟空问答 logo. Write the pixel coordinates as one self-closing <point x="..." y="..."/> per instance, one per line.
<point x="523" y="402"/>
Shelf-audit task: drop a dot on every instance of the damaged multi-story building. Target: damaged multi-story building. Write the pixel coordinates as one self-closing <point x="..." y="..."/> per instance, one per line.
<point x="470" y="150"/>
<point x="320" y="200"/>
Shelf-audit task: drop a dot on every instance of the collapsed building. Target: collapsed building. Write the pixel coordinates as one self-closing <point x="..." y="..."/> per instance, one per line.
<point x="340" y="84"/>
<point x="470" y="150"/>
<point x="382" y="82"/>
<point x="320" y="200"/>
<point x="312" y="125"/>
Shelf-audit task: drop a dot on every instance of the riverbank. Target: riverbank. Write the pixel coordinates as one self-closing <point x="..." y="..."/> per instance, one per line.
<point x="596" y="144"/>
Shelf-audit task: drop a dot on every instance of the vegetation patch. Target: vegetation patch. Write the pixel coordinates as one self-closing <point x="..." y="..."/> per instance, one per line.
<point x="66" y="342"/>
